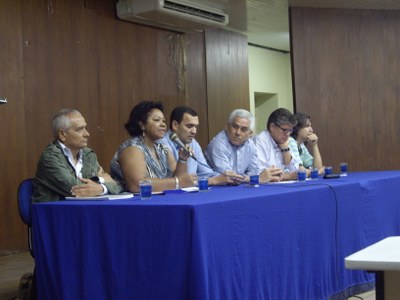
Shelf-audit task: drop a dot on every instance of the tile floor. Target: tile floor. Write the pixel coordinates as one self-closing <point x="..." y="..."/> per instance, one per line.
<point x="12" y="267"/>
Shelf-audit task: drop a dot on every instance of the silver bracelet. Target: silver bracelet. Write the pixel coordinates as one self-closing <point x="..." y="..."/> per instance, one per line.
<point x="176" y="183"/>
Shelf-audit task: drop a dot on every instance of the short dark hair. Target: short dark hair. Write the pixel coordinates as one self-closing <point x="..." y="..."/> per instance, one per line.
<point x="178" y="112"/>
<point x="301" y="119"/>
<point x="140" y="113"/>
<point x="280" y="117"/>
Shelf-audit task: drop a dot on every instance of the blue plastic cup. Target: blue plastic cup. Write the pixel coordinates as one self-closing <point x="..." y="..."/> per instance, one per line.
<point x="301" y="175"/>
<point x="203" y="184"/>
<point x="145" y="189"/>
<point x="328" y="170"/>
<point x="255" y="180"/>
<point x="343" y="168"/>
<point x="314" y="174"/>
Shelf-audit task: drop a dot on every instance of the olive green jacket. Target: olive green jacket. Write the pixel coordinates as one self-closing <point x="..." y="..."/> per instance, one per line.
<point x="55" y="176"/>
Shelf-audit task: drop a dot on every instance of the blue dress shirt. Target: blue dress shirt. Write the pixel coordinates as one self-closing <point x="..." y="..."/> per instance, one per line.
<point x="193" y="167"/>
<point x="224" y="156"/>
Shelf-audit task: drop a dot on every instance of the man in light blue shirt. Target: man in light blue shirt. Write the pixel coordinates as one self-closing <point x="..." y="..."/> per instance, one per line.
<point x="233" y="149"/>
<point x="184" y="122"/>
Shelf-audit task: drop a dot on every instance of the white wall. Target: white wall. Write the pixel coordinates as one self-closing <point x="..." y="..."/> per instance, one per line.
<point x="270" y="79"/>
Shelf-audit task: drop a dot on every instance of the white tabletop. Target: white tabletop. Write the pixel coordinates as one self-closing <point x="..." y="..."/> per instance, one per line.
<point x="381" y="256"/>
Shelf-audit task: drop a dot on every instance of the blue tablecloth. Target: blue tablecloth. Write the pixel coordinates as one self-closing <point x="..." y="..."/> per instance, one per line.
<point x="278" y="241"/>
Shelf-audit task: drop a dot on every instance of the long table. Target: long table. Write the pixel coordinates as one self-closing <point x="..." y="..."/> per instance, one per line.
<point x="278" y="241"/>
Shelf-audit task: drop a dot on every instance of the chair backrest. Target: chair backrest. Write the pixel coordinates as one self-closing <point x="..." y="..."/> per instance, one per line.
<point x="24" y="201"/>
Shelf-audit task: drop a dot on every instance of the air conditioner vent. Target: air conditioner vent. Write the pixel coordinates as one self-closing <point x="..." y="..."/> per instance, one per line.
<point x="194" y="11"/>
<point x="177" y="15"/>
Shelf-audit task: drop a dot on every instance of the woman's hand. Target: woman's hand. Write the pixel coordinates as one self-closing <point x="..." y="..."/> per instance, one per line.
<point x="184" y="154"/>
<point x="312" y="139"/>
<point x="186" y="180"/>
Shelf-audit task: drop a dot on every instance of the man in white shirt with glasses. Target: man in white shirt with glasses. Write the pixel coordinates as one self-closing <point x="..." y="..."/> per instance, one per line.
<point x="272" y="144"/>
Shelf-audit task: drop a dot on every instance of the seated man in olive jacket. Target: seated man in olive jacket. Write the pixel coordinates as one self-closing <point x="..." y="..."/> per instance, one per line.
<point x="67" y="167"/>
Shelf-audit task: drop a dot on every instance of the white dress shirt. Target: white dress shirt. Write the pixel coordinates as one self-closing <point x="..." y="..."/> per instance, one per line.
<point x="79" y="165"/>
<point x="269" y="154"/>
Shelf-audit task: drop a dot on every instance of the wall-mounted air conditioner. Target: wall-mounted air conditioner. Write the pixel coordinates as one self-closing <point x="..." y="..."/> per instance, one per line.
<point x="178" y="15"/>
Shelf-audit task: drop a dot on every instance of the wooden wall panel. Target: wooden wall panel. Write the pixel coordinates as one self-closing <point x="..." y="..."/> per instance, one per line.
<point x="14" y="152"/>
<point x="60" y="69"/>
<point x="227" y="76"/>
<point x="138" y="62"/>
<point x="345" y="74"/>
<point x="76" y="53"/>
<point x="379" y="85"/>
<point x="196" y="92"/>
<point x="129" y="72"/>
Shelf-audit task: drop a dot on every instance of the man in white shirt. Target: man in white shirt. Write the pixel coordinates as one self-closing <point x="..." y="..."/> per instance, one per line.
<point x="272" y="144"/>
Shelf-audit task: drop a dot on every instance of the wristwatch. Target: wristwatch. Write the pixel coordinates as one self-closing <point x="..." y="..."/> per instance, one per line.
<point x="97" y="179"/>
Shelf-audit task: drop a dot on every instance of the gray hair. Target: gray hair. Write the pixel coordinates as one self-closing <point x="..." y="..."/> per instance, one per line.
<point x="242" y="113"/>
<point x="62" y="120"/>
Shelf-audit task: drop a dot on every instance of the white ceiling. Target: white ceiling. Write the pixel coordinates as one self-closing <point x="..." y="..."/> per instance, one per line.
<point x="266" y="22"/>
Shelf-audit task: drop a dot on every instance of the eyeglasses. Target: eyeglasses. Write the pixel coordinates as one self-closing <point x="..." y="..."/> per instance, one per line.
<point x="237" y="127"/>
<point x="284" y="130"/>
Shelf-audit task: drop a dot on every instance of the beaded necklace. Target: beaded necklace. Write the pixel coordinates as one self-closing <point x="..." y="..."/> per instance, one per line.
<point x="157" y="167"/>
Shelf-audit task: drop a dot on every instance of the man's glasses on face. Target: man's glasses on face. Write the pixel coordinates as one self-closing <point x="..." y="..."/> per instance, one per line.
<point x="284" y="130"/>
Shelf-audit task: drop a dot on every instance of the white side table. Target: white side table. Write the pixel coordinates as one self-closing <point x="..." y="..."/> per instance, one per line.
<point x="382" y="258"/>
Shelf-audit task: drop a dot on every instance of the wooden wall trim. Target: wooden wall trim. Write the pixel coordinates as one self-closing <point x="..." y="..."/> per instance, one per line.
<point x="227" y="76"/>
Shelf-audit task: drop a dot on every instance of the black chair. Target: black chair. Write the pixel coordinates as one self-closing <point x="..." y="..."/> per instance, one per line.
<point x="24" y="206"/>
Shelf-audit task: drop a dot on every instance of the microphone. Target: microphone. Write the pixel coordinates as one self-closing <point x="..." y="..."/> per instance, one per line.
<point x="174" y="137"/>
